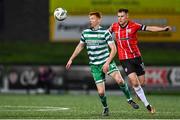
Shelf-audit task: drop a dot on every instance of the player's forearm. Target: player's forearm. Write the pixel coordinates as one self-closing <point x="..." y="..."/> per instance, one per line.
<point x="155" y="28"/>
<point x="112" y="54"/>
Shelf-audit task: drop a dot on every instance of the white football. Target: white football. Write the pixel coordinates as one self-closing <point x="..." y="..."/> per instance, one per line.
<point x="60" y="14"/>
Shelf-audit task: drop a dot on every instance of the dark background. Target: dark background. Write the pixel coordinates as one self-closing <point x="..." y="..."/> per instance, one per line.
<point x="24" y="20"/>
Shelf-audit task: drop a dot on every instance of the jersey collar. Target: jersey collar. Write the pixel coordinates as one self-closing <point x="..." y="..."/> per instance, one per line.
<point x="124" y="26"/>
<point x="97" y="28"/>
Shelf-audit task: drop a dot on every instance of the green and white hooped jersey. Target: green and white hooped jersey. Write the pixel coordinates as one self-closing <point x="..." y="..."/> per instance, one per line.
<point x="97" y="44"/>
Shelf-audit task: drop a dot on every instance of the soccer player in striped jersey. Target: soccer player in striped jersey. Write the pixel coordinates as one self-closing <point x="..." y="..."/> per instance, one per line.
<point x="98" y="40"/>
<point x="129" y="54"/>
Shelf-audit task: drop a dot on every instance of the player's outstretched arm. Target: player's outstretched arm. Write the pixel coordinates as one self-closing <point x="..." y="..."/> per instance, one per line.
<point x="78" y="49"/>
<point x="157" y="28"/>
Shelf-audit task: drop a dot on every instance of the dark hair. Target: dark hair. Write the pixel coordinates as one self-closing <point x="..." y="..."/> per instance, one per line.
<point x="97" y="14"/>
<point x="123" y="10"/>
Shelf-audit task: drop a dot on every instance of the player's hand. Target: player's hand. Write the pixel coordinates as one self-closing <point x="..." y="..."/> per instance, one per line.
<point x="105" y="68"/>
<point x="68" y="65"/>
<point x="167" y="28"/>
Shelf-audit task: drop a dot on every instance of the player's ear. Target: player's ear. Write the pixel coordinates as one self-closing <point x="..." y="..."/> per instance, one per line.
<point x="127" y="15"/>
<point x="100" y="19"/>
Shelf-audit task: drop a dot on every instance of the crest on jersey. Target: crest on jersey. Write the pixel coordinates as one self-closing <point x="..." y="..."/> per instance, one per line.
<point x="99" y="35"/>
<point x="128" y="30"/>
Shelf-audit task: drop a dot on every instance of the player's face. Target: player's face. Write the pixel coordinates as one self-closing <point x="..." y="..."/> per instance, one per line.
<point x="122" y="18"/>
<point x="94" y="21"/>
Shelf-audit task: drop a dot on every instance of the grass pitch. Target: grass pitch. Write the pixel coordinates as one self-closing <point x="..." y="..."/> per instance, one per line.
<point x="84" y="107"/>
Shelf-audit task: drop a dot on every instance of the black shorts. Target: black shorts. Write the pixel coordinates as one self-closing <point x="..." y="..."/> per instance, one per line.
<point x="133" y="65"/>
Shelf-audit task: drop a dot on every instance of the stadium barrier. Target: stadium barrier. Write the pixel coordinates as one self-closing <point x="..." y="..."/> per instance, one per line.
<point x="79" y="78"/>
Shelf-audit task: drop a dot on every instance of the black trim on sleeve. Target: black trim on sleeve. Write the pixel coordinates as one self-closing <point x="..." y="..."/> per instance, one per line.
<point x="143" y="28"/>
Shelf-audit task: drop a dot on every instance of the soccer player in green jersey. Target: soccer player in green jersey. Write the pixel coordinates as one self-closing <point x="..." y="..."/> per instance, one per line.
<point x="98" y="40"/>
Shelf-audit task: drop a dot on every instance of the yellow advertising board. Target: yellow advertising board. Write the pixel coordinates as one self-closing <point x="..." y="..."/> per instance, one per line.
<point x="148" y="12"/>
<point x="83" y="7"/>
<point x="70" y="29"/>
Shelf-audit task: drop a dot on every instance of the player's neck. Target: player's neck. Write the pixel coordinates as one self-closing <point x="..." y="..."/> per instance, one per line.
<point x="96" y="27"/>
<point x="125" y="24"/>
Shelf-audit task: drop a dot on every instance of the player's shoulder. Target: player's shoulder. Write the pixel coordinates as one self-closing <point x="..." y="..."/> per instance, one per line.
<point x="133" y="23"/>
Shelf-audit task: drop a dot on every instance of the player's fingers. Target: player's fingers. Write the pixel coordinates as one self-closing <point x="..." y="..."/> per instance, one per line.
<point x="67" y="66"/>
<point x="168" y="28"/>
<point x="105" y="70"/>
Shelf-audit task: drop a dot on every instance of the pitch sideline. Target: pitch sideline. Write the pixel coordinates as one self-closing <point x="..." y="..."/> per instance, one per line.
<point x="31" y="108"/>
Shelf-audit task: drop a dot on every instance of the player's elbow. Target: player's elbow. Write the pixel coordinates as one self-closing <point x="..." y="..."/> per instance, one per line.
<point x="113" y="49"/>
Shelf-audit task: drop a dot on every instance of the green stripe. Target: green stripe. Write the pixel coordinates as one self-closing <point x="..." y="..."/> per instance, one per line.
<point x="94" y="38"/>
<point x="102" y="59"/>
<point x="107" y="34"/>
<point x="96" y="55"/>
<point x="82" y="40"/>
<point x="105" y="43"/>
<point x="97" y="49"/>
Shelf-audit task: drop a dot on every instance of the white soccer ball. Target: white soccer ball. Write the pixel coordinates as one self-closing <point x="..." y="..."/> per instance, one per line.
<point x="60" y="14"/>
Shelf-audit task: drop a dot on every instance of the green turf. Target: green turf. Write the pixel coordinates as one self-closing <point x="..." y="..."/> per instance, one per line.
<point x="84" y="106"/>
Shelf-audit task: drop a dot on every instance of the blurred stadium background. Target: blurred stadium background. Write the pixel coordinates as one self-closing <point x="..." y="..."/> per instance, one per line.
<point x="30" y="39"/>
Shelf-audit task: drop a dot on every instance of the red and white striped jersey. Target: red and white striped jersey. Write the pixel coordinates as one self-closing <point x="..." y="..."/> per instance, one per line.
<point x="126" y="39"/>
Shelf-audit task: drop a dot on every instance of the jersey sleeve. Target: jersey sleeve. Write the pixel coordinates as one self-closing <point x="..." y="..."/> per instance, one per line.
<point x="140" y="27"/>
<point x="108" y="37"/>
<point x="82" y="40"/>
